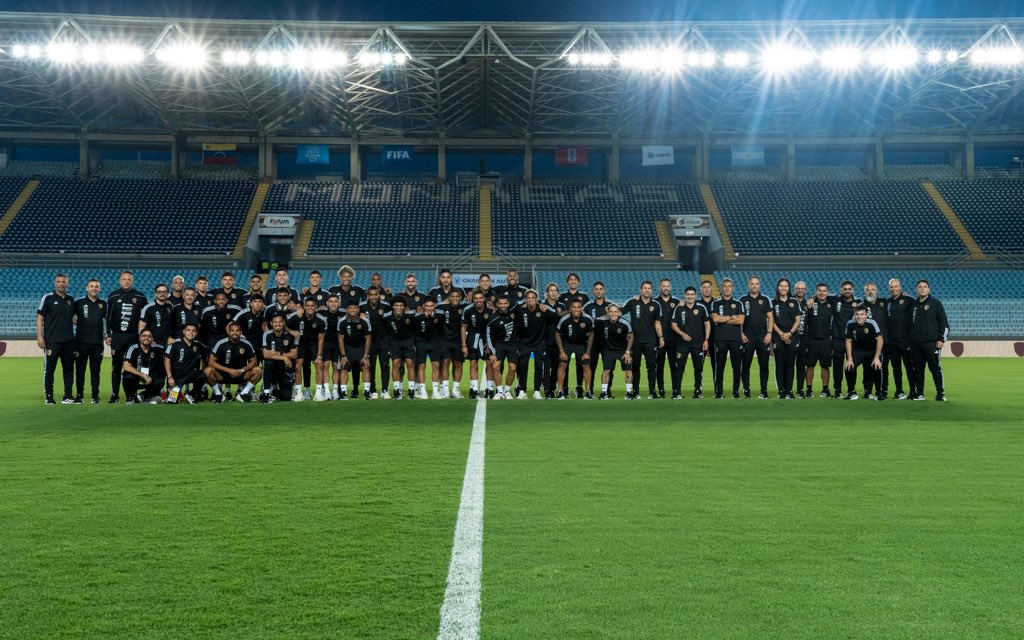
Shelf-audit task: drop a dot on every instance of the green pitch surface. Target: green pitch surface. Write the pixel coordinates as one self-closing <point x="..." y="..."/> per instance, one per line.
<point x="647" y="519"/>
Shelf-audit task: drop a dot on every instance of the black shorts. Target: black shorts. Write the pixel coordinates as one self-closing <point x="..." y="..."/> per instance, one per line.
<point x="476" y="347"/>
<point x="426" y="349"/>
<point x="232" y="379"/>
<point x="354" y="357"/>
<point x="577" y="350"/>
<point x="194" y="377"/>
<point x="307" y="352"/>
<point x="452" y="350"/>
<point x="609" y="358"/>
<point x="331" y="353"/>
<point x="507" y="353"/>
<point x="403" y="349"/>
<point x="819" y="352"/>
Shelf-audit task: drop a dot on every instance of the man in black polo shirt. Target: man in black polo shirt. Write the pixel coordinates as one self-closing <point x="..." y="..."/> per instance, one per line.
<point x="502" y="334"/>
<point x="282" y="305"/>
<point x="143" y="376"/>
<point x="490" y="293"/>
<point x="667" y="353"/>
<point x="233" y="361"/>
<point x="227" y="286"/>
<point x="401" y="331"/>
<point x="354" y="341"/>
<point x="281" y="282"/>
<point x="474" y="344"/>
<point x="516" y="292"/>
<point x="788" y="316"/>
<point x="346" y="291"/>
<point x="386" y="295"/>
<point x="158" y="316"/>
<point x="572" y="292"/>
<point x="316" y="292"/>
<point x="91" y="329"/>
<point x="818" y="320"/>
<point x="183" y="364"/>
<point x="280" y="350"/>
<point x="758" y="327"/>
<point x="255" y="291"/>
<point x="863" y="346"/>
<point x="413" y="297"/>
<point x="644" y="314"/>
<point x="706" y="300"/>
<point x="188" y="312"/>
<point x="692" y="325"/>
<point x="800" y="297"/>
<point x="575" y="337"/>
<point x="177" y="291"/>
<point x="333" y="371"/>
<point x="429" y="331"/>
<point x="451" y="344"/>
<point x="203" y="296"/>
<point x="308" y="327"/>
<point x="253" y="323"/>
<point x="214" y="327"/>
<point x="597" y="308"/>
<point x="550" y="345"/>
<point x="876" y="311"/>
<point x="373" y="309"/>
<point x="55" y="335"/>
<point x="899" y="311"/>
<point x="616" y="336"/>
<point x="727" y="318"/>
<point x="443" y="291"/>
<point x="124" y="310"/>
<point x="534" y="320"/>
<point x="843" y="307"/>
<point x="928" y="334"/>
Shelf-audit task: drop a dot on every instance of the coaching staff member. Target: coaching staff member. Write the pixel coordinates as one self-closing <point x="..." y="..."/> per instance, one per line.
<point x="55" y="335"/>
<point x="124" y="311"/>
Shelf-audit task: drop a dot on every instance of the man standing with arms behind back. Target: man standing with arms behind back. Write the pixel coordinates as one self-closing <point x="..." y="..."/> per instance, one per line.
<point x="91" y="317"/>
<point x="124" y="310"/>
<point x="55" y="335"/>
<point x="928" y="334"/>
<point x="900" y="312"/>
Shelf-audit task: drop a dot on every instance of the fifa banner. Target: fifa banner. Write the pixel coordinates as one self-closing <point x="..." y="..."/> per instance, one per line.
<point x="395" y="155"/>
<point x="312" y="154"/>
<point x="219" y="153"/>
<point x="571" y="156"/>
<point x="748" y="156"/>
<point x="690" y="226"/>
<point x="657" y="155"/>
<point x="469" y="281"/>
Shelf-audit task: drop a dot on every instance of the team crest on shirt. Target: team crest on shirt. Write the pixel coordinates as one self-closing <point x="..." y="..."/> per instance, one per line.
<point x="49" y="352"/>
<point x="537" y="314"/>
<point x="760" y="301"/>
<point x="242" y="351"/>
<point x="696" y="313"/>
<point x="486" y="316"/>
<point x="902" y="301"/>
<point x="194" y="348"/>
<point x="732" y="306"/>
<point x="135" y="300"/>
<point x="925" y="307"/>
<point x="865" y="329"/>
<point x="791" y="305"/>
<point x="619" y="330"/>
<point x="68" y="301"/>
<point x="650" y="307"/>
<point x="673" y="305"/>
<point x="100" y="305"/>
<point x="286" y="343"/>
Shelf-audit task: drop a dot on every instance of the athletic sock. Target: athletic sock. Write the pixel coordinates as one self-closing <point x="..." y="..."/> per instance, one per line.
<point x="366" y="387"/>
<point x="629" y="387"/>
<point x="472" y="385"/>
<point x="604" y="388"/>
<point x="247" y="389"/>
<point x="435" y="387"/>
<point x="490" y="385"/>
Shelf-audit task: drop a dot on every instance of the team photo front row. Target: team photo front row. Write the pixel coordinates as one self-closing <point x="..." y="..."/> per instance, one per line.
<point x="193" y="343"/>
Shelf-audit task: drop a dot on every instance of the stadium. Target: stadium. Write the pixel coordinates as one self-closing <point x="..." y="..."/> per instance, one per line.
<point x="323" y="165"/>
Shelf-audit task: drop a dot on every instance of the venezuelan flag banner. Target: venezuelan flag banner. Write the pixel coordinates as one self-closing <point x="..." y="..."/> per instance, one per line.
<point x="219" y="153"/>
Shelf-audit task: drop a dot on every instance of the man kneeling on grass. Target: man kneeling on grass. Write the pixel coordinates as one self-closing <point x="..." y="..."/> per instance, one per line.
<point x="233" y="361"/>
<point x="143" y="374"/>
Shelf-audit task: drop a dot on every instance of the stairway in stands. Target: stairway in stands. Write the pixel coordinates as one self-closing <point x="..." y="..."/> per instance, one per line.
<point x="16" y="206"/>
<point x="973" y="248"/>
<point x="486" y="232"/>
<point x="250" y="219"/>
<point x="716" y="216"/>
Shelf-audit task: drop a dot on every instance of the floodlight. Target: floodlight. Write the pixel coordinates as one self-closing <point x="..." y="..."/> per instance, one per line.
<point x="326" y="59"/>
<point x="952" y="56"/>
<point x="19" y="51"/>
<point x="934" y="56"/>
<point x="736" y="59"/>
<point x="62" y="53"/>
<point x="894" y="57"/>
<point x="842" y="58"/>
<point x="269" y="58"/>
<point x="400" y="58"/>
<point x="186" y="56"/>
<point x="122" y="54"/>
<point x="783" y="58"/>
<point x="236" y="58"/>
<point x="574" y="58"/>
<point x="34" y="51"/>
<point x="298" y="59"/>
<point x="997" y="56"/>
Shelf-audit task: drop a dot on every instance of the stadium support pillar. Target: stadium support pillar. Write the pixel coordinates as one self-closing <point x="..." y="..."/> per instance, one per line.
<point x="790" y="168"/>
<point x="179" y="156"/>
<point x="969" y="158"/>
<point x="528" y="162"/>
<point x="614" y="173"/>
<point x="442" y="163"/>
<point x="957" y="160"/>
<point x="84" y="164"/>
<point x="702" y="160"/>
<point x="356" y="167"/>
<point x="879" y="164"/>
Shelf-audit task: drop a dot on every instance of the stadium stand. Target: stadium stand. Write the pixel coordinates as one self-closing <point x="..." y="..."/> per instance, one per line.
<point x="130" y="216"/>
<point x="835" y="173"/>
<point x="46" y="169"/>
<point x="992" y="210"/>
<point x="133" y="170"/>
<point x="921" y="172"/>
<point x="833" y="218"/>
<point x="10" y="187"/>
<point x="587" y="219"/>
<point x="381" y="218"/>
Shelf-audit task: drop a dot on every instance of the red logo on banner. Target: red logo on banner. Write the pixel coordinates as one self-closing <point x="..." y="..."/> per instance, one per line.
<point x="570" y="156"/>
<point x="956" y="348"/>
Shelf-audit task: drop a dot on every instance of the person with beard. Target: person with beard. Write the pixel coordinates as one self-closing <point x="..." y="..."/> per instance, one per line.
<point x="644" y="314"/>
<point x="875" y="307"/>
<point x="143" y="370"/>
<point x="158" y="316"/>
<point x="124" y="310"/>
<point x="255" y="291"/>
<point x="668" y="309"/>
<point x="281" y="282"/>
<point x="474" y="344"/>
<point x="842" y="306"/>
<point x="800" y="297"/>
<point x="818" y="319"/>
<point x="516" y="292"/>
<point x="443" y="291"/>
<point x="502" y="335"/>
<point x="598" y="309"/>
<point x="899" y="311"/>
<point x="758" y="328"/>
<point x="534" y="320"/>
<point x="692" y="326"/>
<point x="413" y="297"/>
<point x="188" y="312"/>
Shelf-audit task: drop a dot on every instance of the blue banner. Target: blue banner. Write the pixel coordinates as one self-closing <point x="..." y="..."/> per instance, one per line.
<point x="395" y="154"/>
<point x="748" y="156"/>
<point x="312" y="154"/>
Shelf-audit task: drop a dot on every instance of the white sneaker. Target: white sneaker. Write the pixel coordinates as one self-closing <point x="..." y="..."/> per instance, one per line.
<point x="305" y="393"/>
<point x="335" y="395"/>
<point x="297" y="395"/>
<point x="375" y="395"/>
<point x="319" y="397"/>
<point x="537" y="395"/>
<point x="438" y="396"/>
<point x="456" y="394"/>
<point x="522" y="395"/>
<point x="445" y="393"/>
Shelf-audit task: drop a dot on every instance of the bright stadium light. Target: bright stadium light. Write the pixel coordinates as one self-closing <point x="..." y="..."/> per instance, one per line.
<point x="664" y="60"/>
<point x="269" y="58"/>
<point x="186" y="56"/>
<point x="298" y="59"/>
<point x="19" y="51"/>
<point x="842" y="58"/>
<point x="326" y="59"/>
<point x="779" y="58"/>
<point x="736" y="59"/>
<point x="235" y="57"/>
<point x="92" y="54"/>
<point x="894" y="58"/>
<point x="65" y="53"/>
<point x="934" y="56"/>
<point x="952" y="56"/>
<point x="119" y="55"/>
<point x="997" y="56"/>
<point x="704" y="60"/>
<point x="34" y="51"/>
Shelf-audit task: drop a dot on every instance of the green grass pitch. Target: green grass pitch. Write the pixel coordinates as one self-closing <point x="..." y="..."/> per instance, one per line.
<point x="649" y="519"/>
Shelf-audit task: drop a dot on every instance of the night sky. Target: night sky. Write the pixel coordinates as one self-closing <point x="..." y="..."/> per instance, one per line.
<point x="559" y="10"/>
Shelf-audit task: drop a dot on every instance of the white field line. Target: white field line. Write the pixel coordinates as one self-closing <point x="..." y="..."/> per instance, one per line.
<point x="460" y="613"/>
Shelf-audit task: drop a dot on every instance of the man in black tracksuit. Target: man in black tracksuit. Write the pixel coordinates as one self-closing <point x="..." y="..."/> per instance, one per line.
<point x="55" y="334"/>
<point x="842" y="307"/>
<point x="691" y="325"/>
<point x="91" y="320"/>
<point x="124" y="310"/>
<point x="928" y="334"/>
<point x="788" y="317"/>
<point x="534" y="320"/>
<point x="668" y="352"/>
<point x="758" y="327"/>
<point x="875" y="307"/>
<point x="899" y="312"/>
<point x="644" y="315"/>
<point x="727" y="319"/>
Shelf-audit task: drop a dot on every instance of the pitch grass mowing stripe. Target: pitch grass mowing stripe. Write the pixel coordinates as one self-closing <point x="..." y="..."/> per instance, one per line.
<point x="460" y="613"/>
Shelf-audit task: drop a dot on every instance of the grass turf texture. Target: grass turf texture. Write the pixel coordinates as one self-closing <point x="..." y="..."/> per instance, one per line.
<point x="803" y="519"/>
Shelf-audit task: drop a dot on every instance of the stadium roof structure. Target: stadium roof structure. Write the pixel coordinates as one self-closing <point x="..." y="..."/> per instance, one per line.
<point x="614" y="81"/>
